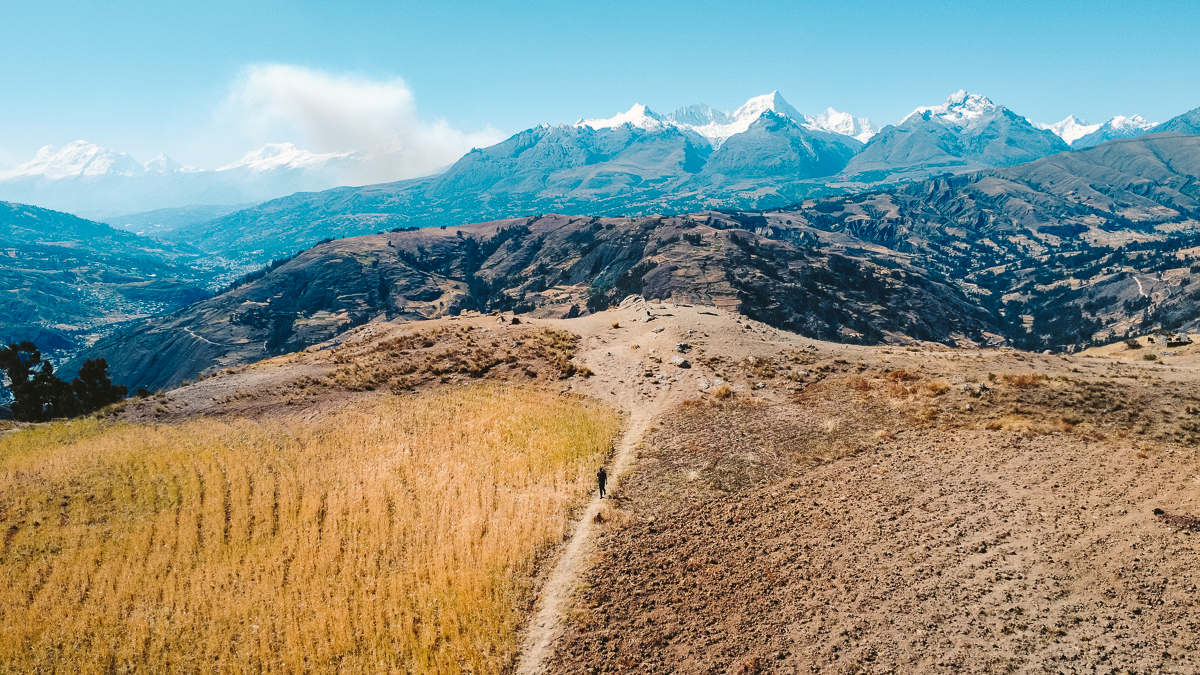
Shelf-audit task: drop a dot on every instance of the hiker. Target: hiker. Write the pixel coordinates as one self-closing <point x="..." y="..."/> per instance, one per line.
<point x="601" y="478"/>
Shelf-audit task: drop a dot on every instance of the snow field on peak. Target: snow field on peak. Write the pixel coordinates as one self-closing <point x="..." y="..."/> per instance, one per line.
<point x="283" y="155"/>
<point x="1070" y="130"/>
<point x="960" y="110"/>
<point x="638" y="116"/>
<point x="717" y="126"/>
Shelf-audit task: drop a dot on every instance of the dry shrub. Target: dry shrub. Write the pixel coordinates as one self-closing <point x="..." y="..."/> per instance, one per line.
<point x="901" y="376"/>
<point x="412" y="359"/>
<point x="722" y="391"/>
<point x="1024" y="380"/>
<point x="761" y="367"/>
<point x="396" y="537"/>
<point x="859" y="383"/>
<point x="901" y="391"/>
<point x="885" y="436"/>
<point x="616" y="324"/>
<point x="935" y="388"/>
<point x="1070" y="418"/>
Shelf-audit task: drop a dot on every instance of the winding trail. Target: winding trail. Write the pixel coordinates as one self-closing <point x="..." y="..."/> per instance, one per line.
<point x="618" y="366"/>
<point x="555" y="599"/>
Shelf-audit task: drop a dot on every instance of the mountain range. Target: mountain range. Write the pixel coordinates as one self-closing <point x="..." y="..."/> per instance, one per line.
<point x="96" y="182"/>
<point x="766" y="155"/>
<point x="1050" y="254"/>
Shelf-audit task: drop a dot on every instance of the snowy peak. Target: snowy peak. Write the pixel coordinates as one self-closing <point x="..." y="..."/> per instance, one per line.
<point x="961" y="110"/>
<point x="162" y="164"/>
<point x="79" y="159"/>
<point x="1070" y="129"/>
<point x="697" y="114"/>
<point x="639" y="116"/>
<point x="755" y="107"/>
<point x="859" y="128"/>
<point x="274" y="156"/>
<point x="717" y="126"/>
<point x="1134" y="123"/>
<point x="1118" y="127"/>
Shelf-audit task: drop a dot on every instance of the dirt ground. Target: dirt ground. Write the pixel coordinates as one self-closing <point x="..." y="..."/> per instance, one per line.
<point x="787" y="505"/>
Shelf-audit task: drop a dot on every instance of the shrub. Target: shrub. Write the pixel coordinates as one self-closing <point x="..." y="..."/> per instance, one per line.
<point x="722" y="391"/>
<point x="858" y="383"/>
<point x="1133" y="344"/>
<point x="902" y="376"/>
<point x="936" y="388"/>
<point x="1150" y="357"/>
<point x="1023" y="381"/>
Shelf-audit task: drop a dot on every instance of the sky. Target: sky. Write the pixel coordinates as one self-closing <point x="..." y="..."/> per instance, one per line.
<point x="207" y="82"/>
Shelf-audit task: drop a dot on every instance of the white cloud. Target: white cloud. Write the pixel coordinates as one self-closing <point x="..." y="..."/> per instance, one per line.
<point x="338" y="113"/>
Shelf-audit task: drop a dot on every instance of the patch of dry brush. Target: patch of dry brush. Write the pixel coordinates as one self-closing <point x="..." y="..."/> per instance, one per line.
<point x="397" y="537"/>
<point x="423" y="356"/>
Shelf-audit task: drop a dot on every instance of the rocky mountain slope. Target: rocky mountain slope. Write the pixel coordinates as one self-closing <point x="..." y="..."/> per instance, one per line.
<point x="1062" y="250"/>
<point x="554" y="266"/>
<point x="1187" y="123"/>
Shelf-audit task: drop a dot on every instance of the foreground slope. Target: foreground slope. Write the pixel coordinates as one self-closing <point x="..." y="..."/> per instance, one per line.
<point x="782" y="504"/>
<point x="857" y="508"/>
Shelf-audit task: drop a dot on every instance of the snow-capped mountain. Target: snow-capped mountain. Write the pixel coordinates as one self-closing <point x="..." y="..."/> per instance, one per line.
<point x="960" y="111"/>
<point x="1118" y="127"/>
<point x="90" y="180"/>
<point x="966" y="132"/>
<point x="1070" y="129"/>
<point x="75" y="160"/>
<point x="835" y="122"/>
<point x="717" y="126"/>
<point x="277" y="156"/>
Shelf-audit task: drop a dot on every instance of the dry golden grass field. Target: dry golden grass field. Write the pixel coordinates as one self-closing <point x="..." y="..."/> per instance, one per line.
<point x="400" y="536"/>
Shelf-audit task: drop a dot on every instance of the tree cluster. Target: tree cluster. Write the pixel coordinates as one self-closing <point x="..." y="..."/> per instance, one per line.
<point x="39" y="395"/>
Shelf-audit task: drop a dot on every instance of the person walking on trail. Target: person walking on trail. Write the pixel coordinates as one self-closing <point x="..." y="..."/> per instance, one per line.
<point x="602" y="479"/>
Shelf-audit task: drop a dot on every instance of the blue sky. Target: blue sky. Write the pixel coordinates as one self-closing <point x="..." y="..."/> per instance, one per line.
<point x="187" y="78"/>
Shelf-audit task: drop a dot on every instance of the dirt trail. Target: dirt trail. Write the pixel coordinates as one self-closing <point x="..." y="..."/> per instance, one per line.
<point x="617" y="357"/>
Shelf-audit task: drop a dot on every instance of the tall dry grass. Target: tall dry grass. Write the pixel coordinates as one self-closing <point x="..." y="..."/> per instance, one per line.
<point x="396" y="538"/>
